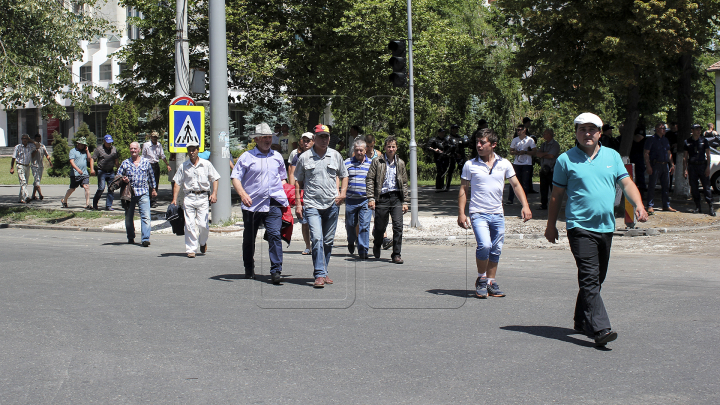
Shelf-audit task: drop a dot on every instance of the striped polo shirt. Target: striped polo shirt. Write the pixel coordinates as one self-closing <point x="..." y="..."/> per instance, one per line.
<point x="357" y="174"/>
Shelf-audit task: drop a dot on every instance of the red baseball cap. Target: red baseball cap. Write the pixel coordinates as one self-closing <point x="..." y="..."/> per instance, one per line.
<point x="321" y="129"/>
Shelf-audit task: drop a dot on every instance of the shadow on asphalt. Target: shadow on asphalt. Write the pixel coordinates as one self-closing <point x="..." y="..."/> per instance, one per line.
<point x="228" y="277"/>
<point x="117" y="243"/>
<point x="178" y="255"/>
<point x="456" y="293"/>
<point x="553" y="332"/>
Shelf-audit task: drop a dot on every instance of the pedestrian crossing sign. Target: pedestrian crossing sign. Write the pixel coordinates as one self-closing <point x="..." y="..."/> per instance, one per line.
<point x="187" y="123"/>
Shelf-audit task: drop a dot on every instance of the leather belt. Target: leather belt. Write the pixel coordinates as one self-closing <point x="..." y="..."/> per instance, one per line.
<point x="197" y="192"/>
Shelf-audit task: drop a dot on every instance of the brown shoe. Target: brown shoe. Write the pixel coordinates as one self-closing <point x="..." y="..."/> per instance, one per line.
<point x="191" y="255"/>
<point x="397" y="260"/>
<point x="670" y="209"/>
<point x="328" y="280"/>
<point x="203" y="248"/>
<point x="319" y="282"/>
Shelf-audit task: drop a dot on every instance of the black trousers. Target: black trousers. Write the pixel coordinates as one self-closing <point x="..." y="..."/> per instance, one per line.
<point x="451" y="165"/>
<point x="440" y="168"/>
<point x="592" y="254"/>
<point x="697" y="172"/>
<point x="389" y="205"/>
<point x="156" y="172"/>
<point x="546" y="176"/>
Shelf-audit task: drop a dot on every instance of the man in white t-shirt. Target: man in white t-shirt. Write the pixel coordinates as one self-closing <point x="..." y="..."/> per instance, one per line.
<point x="485" y="177"/>
<point x="522" y="147"/>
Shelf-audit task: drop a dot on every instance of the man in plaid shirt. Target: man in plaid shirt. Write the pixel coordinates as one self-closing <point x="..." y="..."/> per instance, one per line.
<point x="139" y="175"/>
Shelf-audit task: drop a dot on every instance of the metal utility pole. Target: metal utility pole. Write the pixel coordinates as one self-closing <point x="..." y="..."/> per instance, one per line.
<point x="182" y="69"/>
<point x="219" y="116"/>
<point x="414" y="221"/>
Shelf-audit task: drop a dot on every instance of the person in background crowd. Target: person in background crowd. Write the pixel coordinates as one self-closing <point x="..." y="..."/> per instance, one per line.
<point x="306" y="142"/>
<point x="153" y="151"/>
<point x="637" y="157"/>
<point x="697" y="167"/>
<point x="435" y="145"/>
<point x="37" y="166"/>
<point x="481" y="124"/>
<point x="22" y="155"/>
<point x="607" y="140"/>
<point x="370" y="150"/>
<point x="357" y="212"/>
<point x="138" y="173"/>
<point x="710" y="133"/>
<point x="106" y="157"/>
<point x="79" y="157"/>
<point x="522" y="147"/>
<point x="276" y="138"/>
<point x="657" y="159"/>
<point x="287" y="142"/>
<point x="526" y="123"/>
<point x="547" y="153"/>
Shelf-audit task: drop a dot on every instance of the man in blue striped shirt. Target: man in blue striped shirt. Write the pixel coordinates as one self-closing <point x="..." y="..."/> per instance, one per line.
<point x="138" y="174"/>
<point x="356" y="210"/>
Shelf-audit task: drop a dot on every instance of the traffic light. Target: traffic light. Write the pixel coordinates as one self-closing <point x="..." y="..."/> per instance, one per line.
<point x="397" y="62"/>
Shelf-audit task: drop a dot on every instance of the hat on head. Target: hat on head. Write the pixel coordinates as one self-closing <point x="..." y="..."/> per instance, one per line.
<point x="108" y="138"/>
<point x="262" y="129"/>
<point x="25" y="136"/>
<point x="607" y="126"/>
<point x="455" y="126"/>
<point x="696" y="126"/>
<point x="588" y="118"/>
<point x="308" y="135"/>
<point x="154" y="134"/>
<point x="321" y="129"/>
<point x="526" y="119"/>
<point x="482" y="122"/>
<point x="192" y="142"/>
<point x="441" y="129"/>
<point x="81" y="141"/>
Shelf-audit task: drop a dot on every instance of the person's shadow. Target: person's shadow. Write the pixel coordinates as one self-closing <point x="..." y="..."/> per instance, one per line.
<point x="553" y="332"/>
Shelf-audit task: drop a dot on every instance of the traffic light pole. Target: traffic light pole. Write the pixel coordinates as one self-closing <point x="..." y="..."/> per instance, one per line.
<point x="414" y="221"/>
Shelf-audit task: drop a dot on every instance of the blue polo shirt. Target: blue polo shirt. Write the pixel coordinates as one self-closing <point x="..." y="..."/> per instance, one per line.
<point x="590" y="186"/>
<point x="658" y="148"/>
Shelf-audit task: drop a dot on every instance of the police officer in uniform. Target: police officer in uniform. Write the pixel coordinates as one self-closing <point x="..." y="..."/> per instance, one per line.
<point x="454" y="148"/>
<point x="435" y="145"/>
<point x="697" y="167"/>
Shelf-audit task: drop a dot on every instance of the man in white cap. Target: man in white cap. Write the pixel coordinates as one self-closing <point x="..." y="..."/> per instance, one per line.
<point x="198" y="179"/>
<point x="588" y="173"/>
<point x="258" y="178"/>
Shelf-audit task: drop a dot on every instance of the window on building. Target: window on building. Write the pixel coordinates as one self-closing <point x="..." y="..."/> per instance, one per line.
<point x="133" y="31"/>
<point x="238" y="120"/>
<point x="97" y="120"/>
<point x="106" y="72"/>
<point x="122" y="66"/>
<point x="85" y="73"/>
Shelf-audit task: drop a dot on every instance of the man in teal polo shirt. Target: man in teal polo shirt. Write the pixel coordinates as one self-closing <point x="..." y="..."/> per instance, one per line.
<point x="588" y="173"/>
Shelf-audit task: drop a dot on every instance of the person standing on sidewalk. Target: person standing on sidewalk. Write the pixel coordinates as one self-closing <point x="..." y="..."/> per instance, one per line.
<point x="485" y="176"/>
<point x="306" y="142"/>
<point x="79" y="157"/>
<point x="258" y="178"/>
<point x="388" y="196"/>
<point x="37" y="165"/>
<point x="589" y="173"/>
<point x="522" y="146"/>
<point x="198" y="179"/>
<point x="697" y="167"/>
<point x="138" y="174"/>
<point x="548" y="153"/>
<point x="106" y="157"/>
<point x="153" y="151"/>
<point x="22" y="155"/>
<point x="357" y="211"/>
<point x="317" y="174"/>
<point x="659" y="165"/>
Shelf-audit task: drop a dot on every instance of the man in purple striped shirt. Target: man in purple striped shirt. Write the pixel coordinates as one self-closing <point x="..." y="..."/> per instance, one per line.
<point x="356" y="208"/>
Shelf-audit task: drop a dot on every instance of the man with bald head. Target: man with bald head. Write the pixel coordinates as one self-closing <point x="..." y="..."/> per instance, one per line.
<point x="138" y="174"/>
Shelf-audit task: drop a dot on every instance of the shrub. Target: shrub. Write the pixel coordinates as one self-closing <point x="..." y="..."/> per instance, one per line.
<point x="60" y="157"/>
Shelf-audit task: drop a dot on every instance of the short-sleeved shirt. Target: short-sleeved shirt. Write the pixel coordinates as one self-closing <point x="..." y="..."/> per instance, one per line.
<point x="522" y="145"/>
<point x="658" y="148"/>
<point x="198" y="177"/>
<point x="37" y="159"/>
<point x="105" y="159"/>
<point x="319" y="174"/>
<point x="487" y="184"/>
<point x="357" y="177"/>
<point x="153" y="153"/>
<point x="142" y="177"/>
<point x="261" y="176"/>
<point x="697" y="150"/>
<point x="590" y="186"/>
<point x="80" y="159"/>
<point x="292" y="157"/>
<point x="286" y="145"/>
<point x="23" y="154"/>
<point x="552" y="147"/>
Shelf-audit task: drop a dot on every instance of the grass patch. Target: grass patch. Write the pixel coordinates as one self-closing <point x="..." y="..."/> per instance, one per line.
<point x="50" y="216"/>
<point x="230" y="222"/>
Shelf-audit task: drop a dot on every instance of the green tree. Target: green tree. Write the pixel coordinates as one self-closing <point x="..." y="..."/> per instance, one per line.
<point x="122" y="124"/>
<point x="39" y="39"/>
<point x="60" y="156"/>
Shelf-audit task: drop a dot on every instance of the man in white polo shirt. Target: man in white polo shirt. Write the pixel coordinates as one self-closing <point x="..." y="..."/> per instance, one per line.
<point x="485" y="176"/>
<point x="522" y="147"/>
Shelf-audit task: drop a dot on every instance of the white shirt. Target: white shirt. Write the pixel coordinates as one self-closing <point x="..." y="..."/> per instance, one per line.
<point x="197" y="177"/>
<point x="153" y="153"/>
<point x="522" y="145"/>
<point x="390" y="181"/>
<point x="486" y="187"/>
<point x="22" y="154"/>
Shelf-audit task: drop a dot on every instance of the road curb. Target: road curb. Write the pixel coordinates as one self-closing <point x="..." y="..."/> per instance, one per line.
<point x="61" y="228"/>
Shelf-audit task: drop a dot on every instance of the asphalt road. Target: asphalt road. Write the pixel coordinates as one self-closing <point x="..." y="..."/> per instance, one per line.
<point x="86" y="318"/>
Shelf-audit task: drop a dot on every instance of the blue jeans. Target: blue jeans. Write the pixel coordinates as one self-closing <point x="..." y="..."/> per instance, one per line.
<point x="143" y="203"/>
<point x="323" y="223"/>
<point x="489" y="232"/>
<point x="662" y="172"/>
<point x="272" y="220"/>
<point x="103" y="179"/>
<point x="358" y="211"/>
<point x="524" y="175"/>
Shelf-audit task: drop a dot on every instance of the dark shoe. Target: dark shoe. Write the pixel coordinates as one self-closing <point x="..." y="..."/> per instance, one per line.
<point x="605" y="336"/>
<point x="712" y="211"/>
<point x="362" y="256"/>
<point x="319" y="282"/>
<point x="146" y="243"/>
<point x="27" y="200"/>
<point x="351" y="248"/>
<point x="276" y="277"/>
<point x="376" y="251"/>
<point x="95" y="208"/>
<point x="696" y="210"/>
<point x="191" y="255"/>
<point x="109" y="209"/>
<point x="33" y="198"/>
<point x="397" y="260"/>
<point x="41" y="197"/>
<point x="494" y="290"/>
<point x="131" y="241"/>
<point x="543" y="207"/>
<point x="63" y="204"/>
<point x="509" y="203"/>
<point x="580" y="328"/>
<point x="89" y="208"/>
<point x="203" y="248"/>
<point x="481" y="287"/>
<point x="250" y="274"/>
<point x="328" y="280"/>
<point x="153" y="204"/>
<point x="387" y="243"/>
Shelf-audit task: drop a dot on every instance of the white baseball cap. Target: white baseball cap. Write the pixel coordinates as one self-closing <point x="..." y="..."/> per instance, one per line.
<point x="308" y="135"/>
<point x="192" y="143"/>
<point x="589" y="118"/>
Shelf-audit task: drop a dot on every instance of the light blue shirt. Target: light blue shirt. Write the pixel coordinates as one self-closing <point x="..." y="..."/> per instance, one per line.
<point x="590" y="186"/>
<point x="80" y="159"/>
<point x="390" y="182"/>
<point x="261" y="176"/>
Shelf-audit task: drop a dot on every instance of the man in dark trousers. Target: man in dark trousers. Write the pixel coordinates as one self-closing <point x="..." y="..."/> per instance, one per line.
<point x="547" y="153"/>
<point x="107" y="160"/>
<point x="589" y="173"/>
<point x="435" y="145"/>
<point x="697" y="167"/>
<point x="659" y="165"/>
